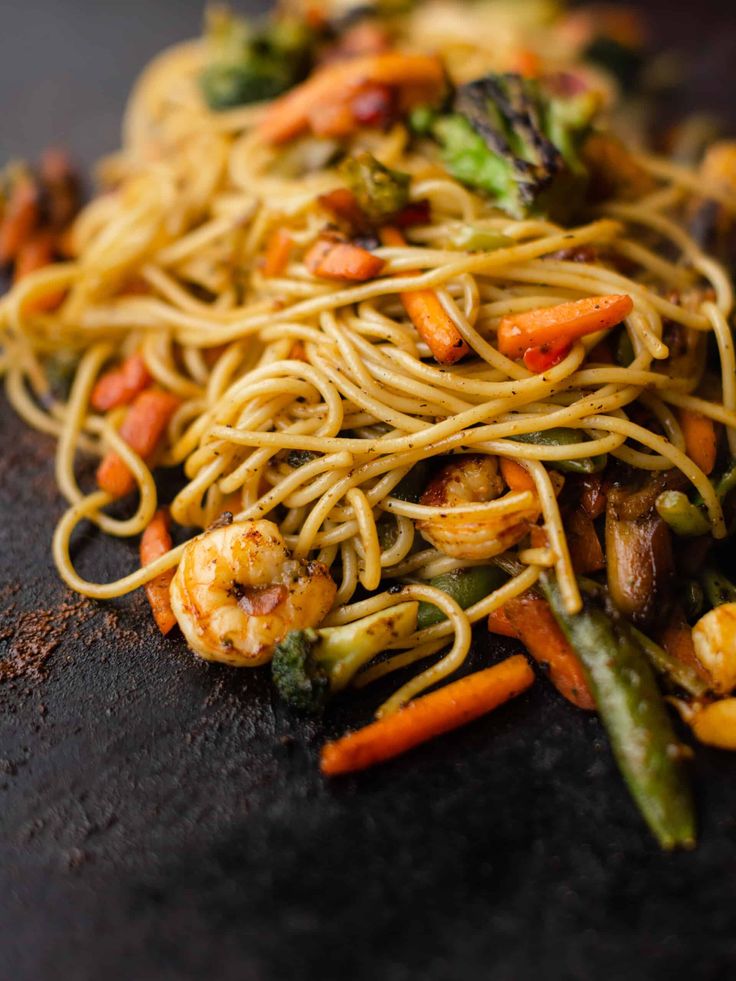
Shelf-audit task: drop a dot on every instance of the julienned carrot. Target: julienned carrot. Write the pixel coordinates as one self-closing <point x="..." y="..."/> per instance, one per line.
<point x="517" y="477"/>
<point x="536" y="627"/>
<point x="499" y="623"/>
<point x="333" y="259"/>
<point x="120" y="385"/>
<point x="540" y="359"/>
<point x="701" y="440"/>
<point x="35" y="253"/>
<point x="430" y="318"/>
<point x="564" y="323"/>
<point x="20" y="219"/>
<point x="419" y="78"/>
<point x="427" y="717"/>
<point x="277" y="254"/>
<point x="155" y="542"/>
<point x="142" y="429"/>
<point x="342" y="205"/>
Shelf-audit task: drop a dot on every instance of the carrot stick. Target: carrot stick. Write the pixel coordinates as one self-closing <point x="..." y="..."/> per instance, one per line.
<point x="120" y="385"/>
<point x="20" y="219"/>
<point x="419" y="77"/>
<point x="344" y="208"/>
<point x="142" y="429"/>
<point x="517" y="477"/>
<point x="155" y="542"/>
<point x="277" y="254"/>
<point x="35" y="253"/>
<point x="340" y="260"/>
<point x="701" y="440"/>
<point x="429" y="716"/>
<point x="549" y="327"/>
<point x="537" y="629"/>
<point x="499" y="623"/>
<point x="423" y="307"/>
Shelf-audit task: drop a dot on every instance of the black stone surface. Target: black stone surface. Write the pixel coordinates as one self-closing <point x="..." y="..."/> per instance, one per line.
<point x="163" y="819"/>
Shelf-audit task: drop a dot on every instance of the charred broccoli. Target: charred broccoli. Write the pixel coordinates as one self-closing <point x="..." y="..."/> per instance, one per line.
<point x="516" y="139"/>
<point x="310" y="665"/>
<point x="379" y="191"/>
<point x="250" y="63"/>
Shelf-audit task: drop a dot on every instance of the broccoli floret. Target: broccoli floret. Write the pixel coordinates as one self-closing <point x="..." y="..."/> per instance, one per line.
<point x="379" y="191"/>
<point x="310" y="665"/>
<point x="299" y="458"/>
<point x="248" y="63"/>
<point x="515" y="139"/>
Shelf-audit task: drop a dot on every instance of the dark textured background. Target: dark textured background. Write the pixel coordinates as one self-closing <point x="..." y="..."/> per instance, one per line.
<point x="160" y="818"/>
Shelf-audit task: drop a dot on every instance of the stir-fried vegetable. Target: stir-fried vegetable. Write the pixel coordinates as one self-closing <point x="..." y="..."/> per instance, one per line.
<point x="634" y="714"/>
<point x="688" y="518"/>
<point x="142" y="429"/>
<point x="332" y="258"/>
<point x="558" y="436"/>
<point x="252" y="62"/>
<point x="326" y="102"/>
<point x="120" y="385"/>
<point x="310" y="665"/>
<point x="672" y="665"/>
<point x="155" y="542"/>
<point x="701" y="439"/>
<point x="465" y="586"/>
<point x="379" y="191"/>
<point x="430" y="318"/>
<point x="423" y="719"/>
<point x="530" y="619"/>
<point x="560" y="326"/>
<point x="516" y="139"/>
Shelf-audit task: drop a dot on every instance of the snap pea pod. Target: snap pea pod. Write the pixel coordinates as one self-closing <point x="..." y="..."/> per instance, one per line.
<point x="718" y="589"/>
<point x="687" y="518"/>
<point x="684" y="518"/>
<point x="465" y="586"/>
<point x="559" y="436"/>
<point x="634" y="714"/>
<point x="663" y="663"/>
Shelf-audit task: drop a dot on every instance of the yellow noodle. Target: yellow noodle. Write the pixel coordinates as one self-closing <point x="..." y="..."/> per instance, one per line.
<point x="308" y="401"/>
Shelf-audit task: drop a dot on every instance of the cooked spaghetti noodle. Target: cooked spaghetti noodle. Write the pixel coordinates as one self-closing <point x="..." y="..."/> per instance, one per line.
<point x="307" y="401"/>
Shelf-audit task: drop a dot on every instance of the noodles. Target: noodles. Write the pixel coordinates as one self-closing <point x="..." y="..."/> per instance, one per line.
<point x="310" y="401"/>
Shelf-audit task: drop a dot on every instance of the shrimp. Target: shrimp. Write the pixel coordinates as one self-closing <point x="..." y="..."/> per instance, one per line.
<point x="237" y="592"/>
<point x="473" y="479"/>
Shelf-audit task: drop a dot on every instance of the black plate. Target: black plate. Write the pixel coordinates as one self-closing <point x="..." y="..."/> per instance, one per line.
<point x="164" y="819"/>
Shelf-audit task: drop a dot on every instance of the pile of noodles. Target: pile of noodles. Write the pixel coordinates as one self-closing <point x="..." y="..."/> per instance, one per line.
<point x="167" y="262"/>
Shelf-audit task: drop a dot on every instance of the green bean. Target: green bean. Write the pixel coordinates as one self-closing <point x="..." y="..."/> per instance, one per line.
<point x="559" y="436"/>
<point x="718" y="588"/>
<point x="465" y="586"/>
<point x="688" y="518"/>
<point x="472" y="238"/>
<point x="683" y="517"/>
<point x="634" y="714"/>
